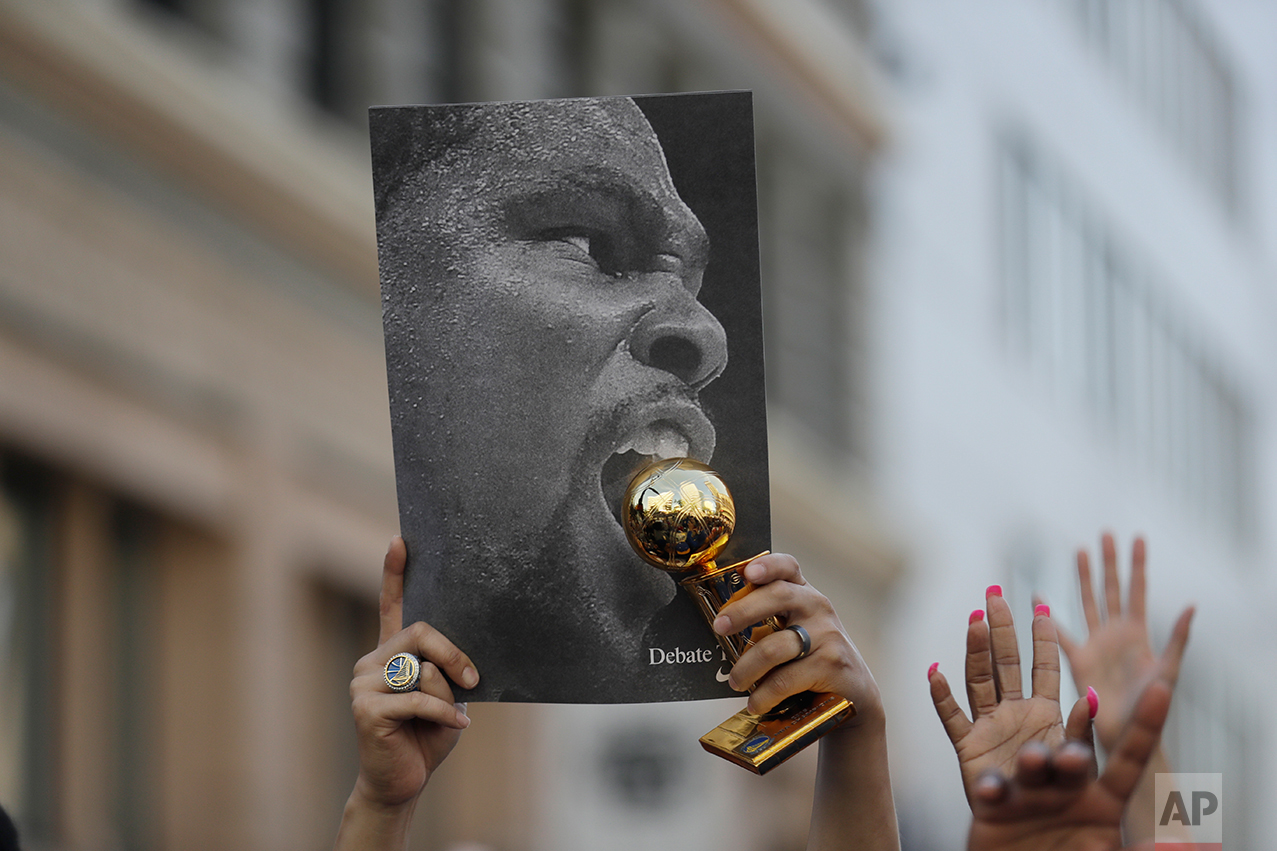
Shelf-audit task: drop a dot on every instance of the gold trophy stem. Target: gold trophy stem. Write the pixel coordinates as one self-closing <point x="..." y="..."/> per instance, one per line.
<point x="678" y="514"/>
<point x="759" y="743"/>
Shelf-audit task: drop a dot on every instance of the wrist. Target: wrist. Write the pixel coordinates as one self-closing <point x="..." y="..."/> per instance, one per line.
<point x="870" y="716"/>
<point x="370" y="796"/>
<point x="370" y="822"/>
<point x="861" y="731"/>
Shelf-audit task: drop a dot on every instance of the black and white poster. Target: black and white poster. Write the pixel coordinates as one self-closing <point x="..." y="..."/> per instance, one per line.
<point x="570" y="289"/>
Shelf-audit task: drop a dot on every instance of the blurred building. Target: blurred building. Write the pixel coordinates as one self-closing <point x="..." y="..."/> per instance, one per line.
<point x="194" y="445"/>
<point x="1074" y="278"/>
<point x="1018" y="271"/>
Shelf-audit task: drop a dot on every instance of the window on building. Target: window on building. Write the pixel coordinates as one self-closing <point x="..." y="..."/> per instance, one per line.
<point x="132" y="573"/>
<point x="205" y="16"/>
<point x="29" y="735"/>
<point x="78" y="657"/>
<point x="340" y="628"/>
<point x="1169" y="60"/>
<point x="357" y="54"/>
<point x="1093" y="320"/>
<point x="811" y="293"/>
<point x="571" y="27"/>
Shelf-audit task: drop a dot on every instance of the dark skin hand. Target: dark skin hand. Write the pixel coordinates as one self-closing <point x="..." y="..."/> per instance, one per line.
<point x="1003" y="718"/>
<point x="402" y="737"/>
<point x="1054" y="801"/>
<point x="1029" y="777"/>
<point x="833" y="664"/>
<point x="853" y="808"/>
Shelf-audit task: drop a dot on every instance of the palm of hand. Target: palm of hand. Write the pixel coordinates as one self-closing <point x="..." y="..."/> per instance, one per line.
<point x="405" y="754"/>
<point x="994" y="739"/>
<point x="1118" y="662"/>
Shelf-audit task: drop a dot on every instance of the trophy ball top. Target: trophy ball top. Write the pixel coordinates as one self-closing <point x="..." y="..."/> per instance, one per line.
<point x="678" y="514"/>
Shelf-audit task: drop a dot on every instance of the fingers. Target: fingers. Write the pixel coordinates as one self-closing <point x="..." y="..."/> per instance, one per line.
<point x="1112" y="585"/>
<point x="1005" y="650"/>
<point x="1135" y="600"/>
<point x="780" y="591"/>
<point x="991" y="788"/>
<point x="392" y="588"/>
<point x="1046" y="656"/>
<point x="1038" y="771"/>
<point x="773" y="567"/>
<point x="951" y="715"/>
<point x="1078" y="727"/>
<point x="768" y="653"/>
<point x="1033" y="764"/>
<point x="982" y="692"/>
<point x="431" y="646"/>
<point x="1139" y="738"/>
<point x="374" y="708"/>
<point x="1086" y="587"/>
<point x="1173" y="655"/>
<point x="1072" y="764"/>
<point x="771" y="666"/>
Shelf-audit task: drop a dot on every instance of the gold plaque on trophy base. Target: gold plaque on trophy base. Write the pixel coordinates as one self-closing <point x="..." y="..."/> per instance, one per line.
<point x="759" y="743"/>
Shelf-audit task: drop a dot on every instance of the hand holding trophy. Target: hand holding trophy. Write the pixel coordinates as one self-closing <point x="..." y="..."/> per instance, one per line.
<point x="678" y="515"/>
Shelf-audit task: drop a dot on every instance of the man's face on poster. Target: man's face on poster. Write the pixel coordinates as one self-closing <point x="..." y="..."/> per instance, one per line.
<point x="560" y="336"/>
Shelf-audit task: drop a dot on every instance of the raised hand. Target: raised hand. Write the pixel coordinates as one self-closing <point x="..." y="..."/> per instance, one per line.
<point x="1003" y="718"/>
<point x="853" y="808"/>
<point x="831" y="665"/>
<point x="403" y="737"/>
<point x="1049" y="799"/>
<point x="1116" y="659"/>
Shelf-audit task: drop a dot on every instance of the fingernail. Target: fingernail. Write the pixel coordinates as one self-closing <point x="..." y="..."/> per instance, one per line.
<point x="1042" y="609"/>
<point x="722" y="625"/>
<point x="752" y="572"/>
<point x="1092" y="702"/>
<point x="993" y="591"/>
<point x="469" y="677"/>
<point x="977" y="615"/>
<point x="932" y="670"/>
<point x="463" y="719"/>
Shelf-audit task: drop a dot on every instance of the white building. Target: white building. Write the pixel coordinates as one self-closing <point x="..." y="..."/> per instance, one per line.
<point x="1074" y="331"/>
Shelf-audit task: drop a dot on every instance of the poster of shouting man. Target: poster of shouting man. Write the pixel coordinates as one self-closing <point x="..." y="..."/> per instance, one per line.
<point x="570" y="290"/>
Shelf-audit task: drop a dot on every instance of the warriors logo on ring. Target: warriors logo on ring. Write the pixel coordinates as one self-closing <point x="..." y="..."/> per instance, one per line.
<point x="403" y="672"/>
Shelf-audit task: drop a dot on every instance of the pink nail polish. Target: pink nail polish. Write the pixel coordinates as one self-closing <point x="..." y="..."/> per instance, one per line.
<point x="993" y="591"/>
<point x="1042" y="609"/>
<point x="1092" y="702"/>
<point x="932" y="670"/>
<point x="977" y="615"/>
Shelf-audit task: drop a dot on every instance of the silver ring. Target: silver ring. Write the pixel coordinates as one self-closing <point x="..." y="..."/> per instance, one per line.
<point x="803" y="637"/>
<point x="403" y="672"/>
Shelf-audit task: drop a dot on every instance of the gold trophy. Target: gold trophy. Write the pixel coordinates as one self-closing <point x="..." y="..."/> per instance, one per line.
<point x="678" y="515"/>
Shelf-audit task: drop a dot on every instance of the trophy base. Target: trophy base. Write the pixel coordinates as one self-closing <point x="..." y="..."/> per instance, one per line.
<point x="759" y="743"/>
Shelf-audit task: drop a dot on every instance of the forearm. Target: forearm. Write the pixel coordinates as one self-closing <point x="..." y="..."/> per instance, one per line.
<point x="370" y="827"/>
<point x="1139" y="818"/>
<point x="853" y="808"/>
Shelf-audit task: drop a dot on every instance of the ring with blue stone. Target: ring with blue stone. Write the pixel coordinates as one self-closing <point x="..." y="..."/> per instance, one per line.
<point x="403" y="672"/>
